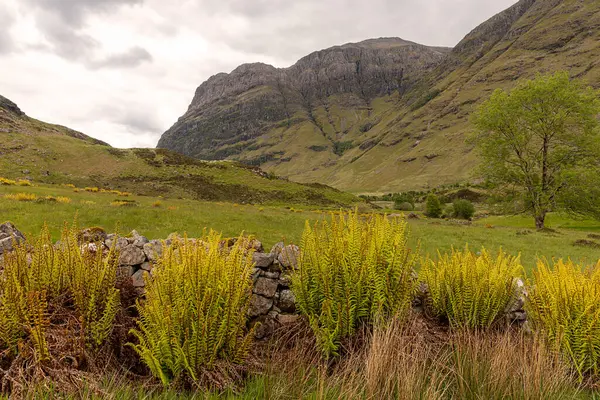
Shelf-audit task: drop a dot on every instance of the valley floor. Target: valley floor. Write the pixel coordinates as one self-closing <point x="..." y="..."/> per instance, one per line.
<point x="158" y="217"/>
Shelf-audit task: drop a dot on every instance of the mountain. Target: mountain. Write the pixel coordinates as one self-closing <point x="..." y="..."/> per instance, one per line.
<point x="53" y="154"/>
<point x="384" y="115"/>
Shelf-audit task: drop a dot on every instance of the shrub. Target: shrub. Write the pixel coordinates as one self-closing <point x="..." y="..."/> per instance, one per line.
<point x="433" y="208"/>
<point x="404" y="206"/>
<point x="564" y="303"/>
<point x="463" y="209"/>
<point x="194" y="315"/>
<point x="92" y="189"/>
<point x="63" y="200"/>
<point x="41" y="277"/>
<point x="23" y="182"/>
<point x="157" y="204"/>
<point x="353" y="271"/>
<point x="21" y="196"/>
<point x="7" y="182"/>
<point x="124" y="203"/>
<point x="469" y="290"/>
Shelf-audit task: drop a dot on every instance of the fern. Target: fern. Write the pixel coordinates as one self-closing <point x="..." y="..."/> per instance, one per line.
<point x="469" y="290"/>
<point x="35" y="276"/>
<point x="194" y="314"/>
<point x="353" y="271"/>
<point x="564" y="303"/>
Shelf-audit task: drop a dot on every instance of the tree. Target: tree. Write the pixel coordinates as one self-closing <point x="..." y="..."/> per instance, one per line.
<point x="463" y="209"/>
<point x="433" y="208"/>
<point x="537" y="139"/>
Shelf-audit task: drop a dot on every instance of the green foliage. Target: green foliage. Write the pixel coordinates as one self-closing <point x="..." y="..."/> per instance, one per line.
<point x="353" y="271"/>
<point x="535" y="137"/>
<point x="37" y="276"/>
<point x="433" y="207"/>
<point x="463" y="209"/>
<point x="470" y="290"/>
<point x="340" y="148"/>
<point x="194" y="313"/>
<point x="564" y="303"/>
<point x="404" y="206"/>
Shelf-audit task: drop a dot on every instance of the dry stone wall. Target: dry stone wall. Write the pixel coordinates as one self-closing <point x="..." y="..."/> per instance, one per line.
<point x="272" y="304"/>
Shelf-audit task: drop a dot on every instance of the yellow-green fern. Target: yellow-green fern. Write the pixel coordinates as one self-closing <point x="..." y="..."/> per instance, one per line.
<point x="471" y="290"/>
<point x="352" y="271"/>
<point x="34" y="276"/>
<point x="194" y="313"/>
<point x="564" y="303"/>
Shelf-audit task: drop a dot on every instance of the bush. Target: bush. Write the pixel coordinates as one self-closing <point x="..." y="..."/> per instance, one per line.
<point x="352" y="271"/>
<point x="463" y="209"/>
<point x="469" y="290"/>
<point x="404" y="206"/>
<point x="193" y="318"/>
<point x="7" y="182"/>
<point x="433" y="208"/>
<point x="564" y="303"/>
<point x="21" y="196"/>
<point x="23" y="182"/>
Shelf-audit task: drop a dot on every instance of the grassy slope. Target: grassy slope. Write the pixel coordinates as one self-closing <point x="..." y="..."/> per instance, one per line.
<point x="274" y="223"/>
<point x="545" y="39"/>
<point x="47" y="153"/>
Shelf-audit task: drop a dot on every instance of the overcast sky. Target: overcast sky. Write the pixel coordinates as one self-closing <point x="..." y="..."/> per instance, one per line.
<point x="124" y="70"/>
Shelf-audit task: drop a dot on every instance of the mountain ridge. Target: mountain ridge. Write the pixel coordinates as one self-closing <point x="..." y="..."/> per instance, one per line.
<point x="391" y="136"/>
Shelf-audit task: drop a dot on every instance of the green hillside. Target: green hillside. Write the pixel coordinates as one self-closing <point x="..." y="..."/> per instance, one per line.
<point x="31" y="149"/>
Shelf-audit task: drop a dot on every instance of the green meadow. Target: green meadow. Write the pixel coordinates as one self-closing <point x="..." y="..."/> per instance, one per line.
<point x="157" y="217"/>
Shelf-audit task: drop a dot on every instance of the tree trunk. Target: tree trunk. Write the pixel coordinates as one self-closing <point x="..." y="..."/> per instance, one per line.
<point x="540" y="220"/>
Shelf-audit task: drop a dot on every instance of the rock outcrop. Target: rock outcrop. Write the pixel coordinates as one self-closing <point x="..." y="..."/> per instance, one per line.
<point x="9" y="106"/>
<point x="254" y="98"/>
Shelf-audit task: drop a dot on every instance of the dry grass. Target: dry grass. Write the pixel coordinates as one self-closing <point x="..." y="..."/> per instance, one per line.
<point x="418" y="361"/>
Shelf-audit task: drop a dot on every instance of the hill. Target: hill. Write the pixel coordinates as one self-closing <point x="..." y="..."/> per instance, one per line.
<point x="54" y="154"/>
<point x="385" y="114"/>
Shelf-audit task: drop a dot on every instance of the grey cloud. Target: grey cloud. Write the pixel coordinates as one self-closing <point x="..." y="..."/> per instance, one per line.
<point x="129" y="59"/>
<point x="74" y="12"/>
<point x="287" y="29"/>
<point x="6" y="21"/>
<point x="134" y="118"/>
<point x="62" y="21"/>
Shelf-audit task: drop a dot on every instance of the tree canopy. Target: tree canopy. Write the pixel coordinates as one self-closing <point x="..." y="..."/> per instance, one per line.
<point x="543" y="140"/>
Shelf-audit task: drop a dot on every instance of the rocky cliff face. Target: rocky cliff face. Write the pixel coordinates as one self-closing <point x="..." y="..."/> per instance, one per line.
<point x="9" y="107"/>
<point x="385" y="115"/>
<point x="242" y="105"/>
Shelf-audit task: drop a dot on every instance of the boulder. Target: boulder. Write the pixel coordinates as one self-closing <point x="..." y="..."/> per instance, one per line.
<point x="264" y="326"/>
<point x="138" y="240"/>
<point x="266" y="287"/>
<point x="287" y="301"/>
<point x="269" y="274"/>
<point x="262" y="260"/>
<point x="146" y="266"/>
<point x="92" y="235"/>
<point x="9" y="235"/>
<point x="259" y="305"/>
<point x="137" y="279"/>
<point x="118" y="242"/>
<point x="276" y="249"/>
<point x="288" y="258"/>
<point x="153" y="250"/>
<point x="285" y="280"/>
<point x="131" y="255"/>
